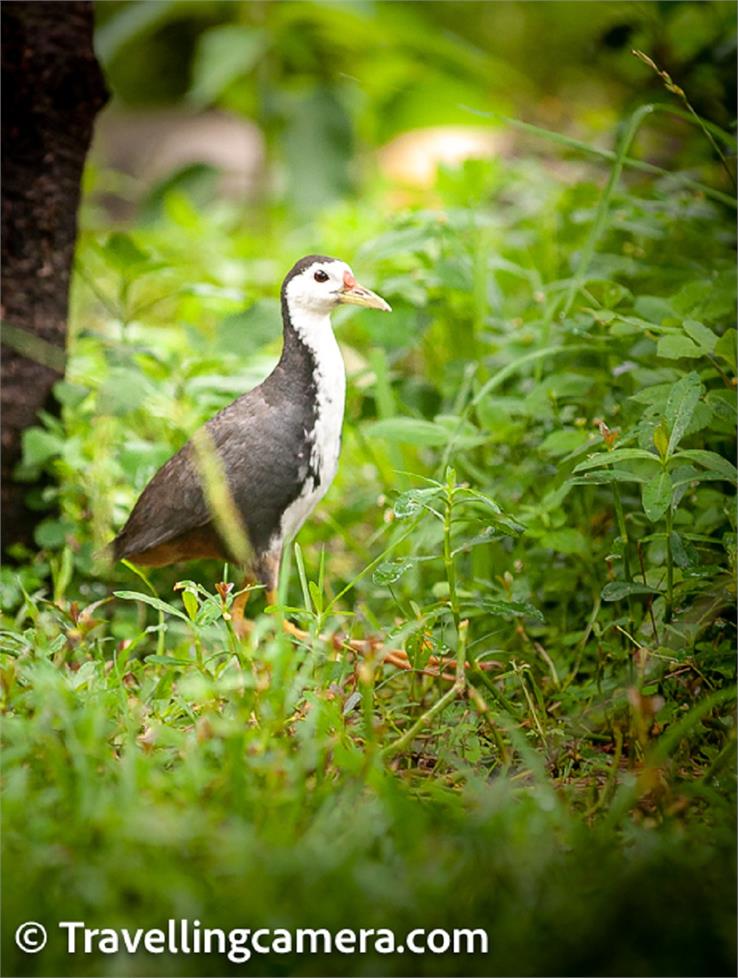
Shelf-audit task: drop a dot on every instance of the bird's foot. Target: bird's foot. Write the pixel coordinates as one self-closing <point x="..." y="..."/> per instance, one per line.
<point x="437" y="666"/>
<point x="242" y="625"/>
<point x="294" y="631"/>
<point x="272" y="600"/>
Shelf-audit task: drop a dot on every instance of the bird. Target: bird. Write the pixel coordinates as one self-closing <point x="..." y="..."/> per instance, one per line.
<point x="240" y="489"/>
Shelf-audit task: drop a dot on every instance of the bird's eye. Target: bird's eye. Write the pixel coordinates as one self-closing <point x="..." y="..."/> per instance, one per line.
<point x="320" y="276"/>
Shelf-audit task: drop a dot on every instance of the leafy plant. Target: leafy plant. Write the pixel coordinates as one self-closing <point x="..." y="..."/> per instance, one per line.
<point x="535" y="508"/>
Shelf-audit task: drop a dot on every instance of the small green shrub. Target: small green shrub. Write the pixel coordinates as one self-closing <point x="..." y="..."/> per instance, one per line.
<point x="536" y="483"/>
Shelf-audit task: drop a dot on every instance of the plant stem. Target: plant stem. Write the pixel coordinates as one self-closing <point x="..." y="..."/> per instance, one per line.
<point x="160" y="644"/>
<point x="632" y="126"/>
<point x="531" y="706"/>
<point x="677" y="90"/>
<point x="669" y="569"/>
<point x="406" y="739"/>
<point x="612" y="776"/>
<point x="448" y="558"/>
<point x="622" y="529"/>
<point x="462" y="630"/>
<point x="610" y="156"/>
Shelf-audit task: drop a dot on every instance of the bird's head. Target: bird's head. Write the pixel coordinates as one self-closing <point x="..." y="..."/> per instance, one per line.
<point x="317" y="284"/>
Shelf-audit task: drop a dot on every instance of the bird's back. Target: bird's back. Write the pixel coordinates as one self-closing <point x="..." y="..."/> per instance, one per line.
<point x="263" y="445"/>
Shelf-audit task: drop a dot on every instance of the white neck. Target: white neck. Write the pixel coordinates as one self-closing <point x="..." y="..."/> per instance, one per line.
<point x="314" y="331"/>
<point x="312" y="328"/>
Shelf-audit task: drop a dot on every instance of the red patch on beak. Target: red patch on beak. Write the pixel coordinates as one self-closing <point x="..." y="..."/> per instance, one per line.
<point x="348" y="280"/>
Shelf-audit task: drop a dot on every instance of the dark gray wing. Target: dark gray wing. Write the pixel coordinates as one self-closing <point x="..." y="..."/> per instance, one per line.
<point x="172" y="503"/>
<point x="261" y="441"/>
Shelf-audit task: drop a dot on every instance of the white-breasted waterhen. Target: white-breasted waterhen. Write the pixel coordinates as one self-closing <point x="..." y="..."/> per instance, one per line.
<point x="276" y="448"/>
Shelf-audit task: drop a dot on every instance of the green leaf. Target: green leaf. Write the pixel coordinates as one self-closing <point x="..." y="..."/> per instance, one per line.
<point x="674" y="347"/>
<point x="711" y="461"/>
<point x="462" y="433"/>
<point x="722" y="405"/>
<point x="617" y="590"/>
<point x="391" y="571"/>
<point x="507" y="525"/>
<point x="414" y="431"/>
<point x="565" y="541"/>
<point x="656" y="496"/>
<point x="709" y="299"/>
<point x="563" y="442"/>
<point x="661" y="439"/>
<point x="565" y="384"/>
<point x="123" y="391"/>
<point x="122" y="251"/>
<point x="653" y="308"/>
<point x="316" y="595"/>
<point x="223" y="55"/>
<point x="685" y="554"/>
<point x="167" y="660"/>
<point x="509" y="609"/>
<point x="39" y="446"/>
<point x="52" y="534"/>
<point x="411" y="502"/>
<point x="687" y="475"/>
<point x="133" y="22"/>
<point x="70" y="395"/>
<point x="655" y="396"/>
<point x="474" y="496"/>
<point x="680" y="407"/>
<point x="604" y="477"/>
<point x="701" y="334"/>
<point x="152" y="601"/>
<point x="209" y="612"/>
<point x="419" y="646"/>
<point x="190" y="602"/>
<point x="618" y="455"/>
<point x="488" y="534"/>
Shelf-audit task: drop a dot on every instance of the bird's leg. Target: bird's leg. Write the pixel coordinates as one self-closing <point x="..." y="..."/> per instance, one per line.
<point x="436" y="665"/>
<point x="268" y="571"/>
<point x="241" y="625"/>
<point x="272" y="598"/>
<point x="294" y="631"/>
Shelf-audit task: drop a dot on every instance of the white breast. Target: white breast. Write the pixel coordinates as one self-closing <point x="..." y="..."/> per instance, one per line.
<point x="325" y="439"/>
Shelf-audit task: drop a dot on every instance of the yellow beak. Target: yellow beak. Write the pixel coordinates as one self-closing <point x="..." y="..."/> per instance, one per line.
<point x="357" y="295"/>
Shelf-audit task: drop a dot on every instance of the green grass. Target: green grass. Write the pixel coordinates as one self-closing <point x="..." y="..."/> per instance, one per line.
<point x="537" y="479"/>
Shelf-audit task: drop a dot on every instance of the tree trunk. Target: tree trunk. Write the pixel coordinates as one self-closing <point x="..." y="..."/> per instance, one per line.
<point x="52" y="89"/>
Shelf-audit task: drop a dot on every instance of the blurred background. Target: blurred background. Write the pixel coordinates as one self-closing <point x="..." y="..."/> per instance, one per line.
<point x="547" y="308"/>
<point x="306" y="103"/>
<point x="454" y="153"/>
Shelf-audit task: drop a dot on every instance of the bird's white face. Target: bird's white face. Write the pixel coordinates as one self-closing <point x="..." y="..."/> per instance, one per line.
<point x="325" y="284"/>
